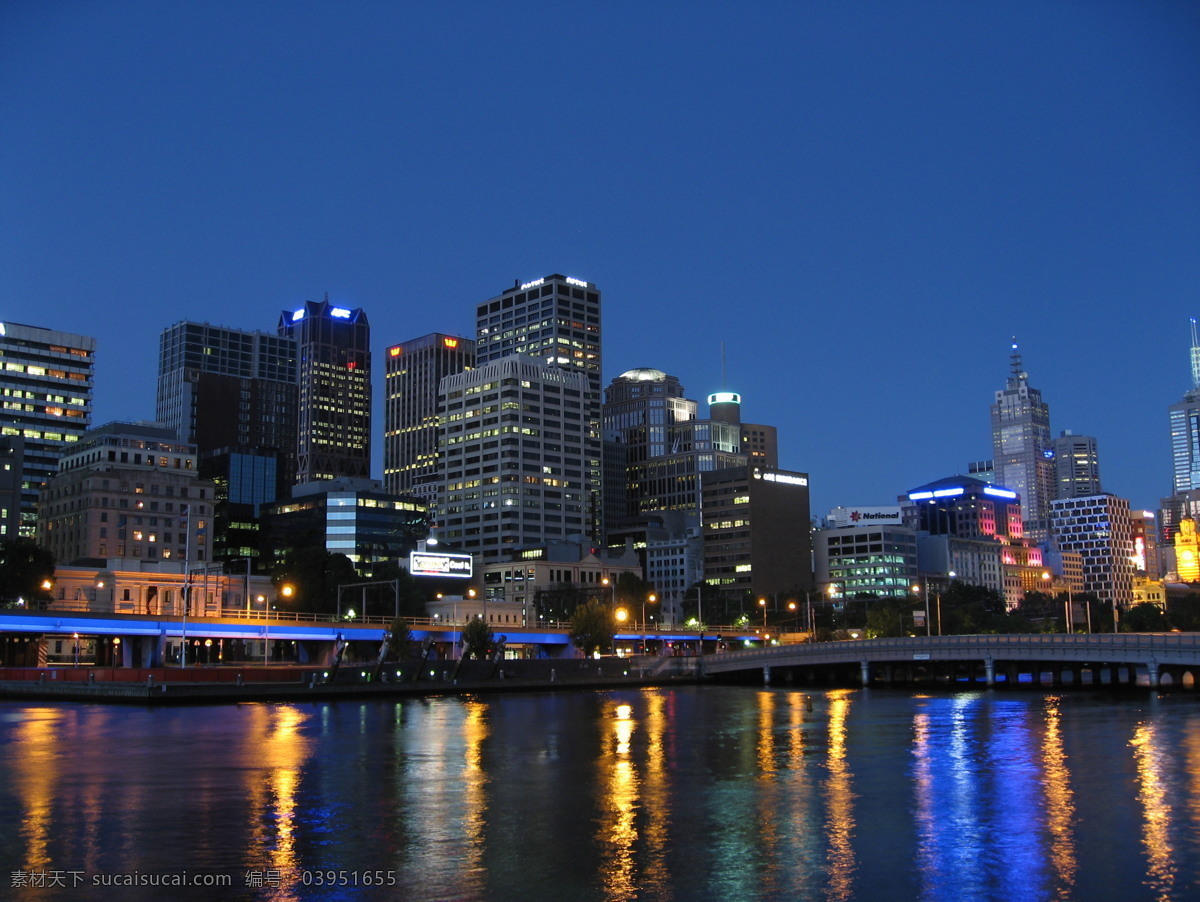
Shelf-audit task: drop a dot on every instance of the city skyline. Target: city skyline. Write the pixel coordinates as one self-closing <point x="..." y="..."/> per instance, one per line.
<point x="847" y="224"/>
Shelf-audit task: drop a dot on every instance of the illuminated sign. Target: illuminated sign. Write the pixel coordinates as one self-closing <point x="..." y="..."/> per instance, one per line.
<point x="424" y="563"/>
<point x="394" y="352"/>
<point x="724" y="397"/>
<point x="919" y="496"/>
<point x="340" y="312"/>
<point x="571" y="281"/>
<point x="450" y="342"/>
<point x="999" y="493"/>
<point x="947" y="493"/>
<point x="863" y="516"/>
<point x="2" y="332"/>
<point x="528" y="285"/>
<point x="782" y="478"/>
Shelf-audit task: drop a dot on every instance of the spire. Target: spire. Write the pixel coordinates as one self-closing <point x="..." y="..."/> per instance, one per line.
<point x="1016" y="373"/>
<point x="1195" y="357"/>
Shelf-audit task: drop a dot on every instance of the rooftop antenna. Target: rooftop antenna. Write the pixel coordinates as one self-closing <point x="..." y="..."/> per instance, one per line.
<point x="1015" y="358"/>
<point x="1195" y="357"/>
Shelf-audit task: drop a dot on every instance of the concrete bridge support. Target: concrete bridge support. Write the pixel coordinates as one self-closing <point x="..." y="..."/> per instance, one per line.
<point x="865" y="669"/>
<point x="989" y="669"/>
<point x="1152" y="672"/>
<point x="766" y="676"/>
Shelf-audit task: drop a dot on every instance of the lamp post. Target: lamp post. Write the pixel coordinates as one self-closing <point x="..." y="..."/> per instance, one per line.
<point x="762" y="603"/>
<point x="651" y="599"/>
<point x="619" y="615"/>
<point x="917" y="591"/>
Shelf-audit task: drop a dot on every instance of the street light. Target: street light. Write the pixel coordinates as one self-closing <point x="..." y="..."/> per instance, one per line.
<point x="620" y="615"/>
<point x="917" y="591"/>
<point x="651" y="599"/>
<point x="762" y="603"/>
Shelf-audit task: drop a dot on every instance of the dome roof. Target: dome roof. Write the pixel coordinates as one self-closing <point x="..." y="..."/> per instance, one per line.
<point x="643" y="374"/>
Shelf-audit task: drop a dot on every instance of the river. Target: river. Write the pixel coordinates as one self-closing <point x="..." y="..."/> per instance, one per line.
<point x="692" y="793"/>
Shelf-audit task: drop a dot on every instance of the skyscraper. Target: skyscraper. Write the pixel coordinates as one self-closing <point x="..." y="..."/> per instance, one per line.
<point x="1022" y="449"/>
<point x="333" y="345"/>
<point x="45" y="400"/>
<point x="228" y="388"/>
<point x="1185" y="430"/>
<point x="556" y="321"/>
<point x="1100" y="529"/>
<point x="414" y="370"/>
<point x="663" y="447"/>
<point x="515" y="453"/>
<point x="1076" y="466"/>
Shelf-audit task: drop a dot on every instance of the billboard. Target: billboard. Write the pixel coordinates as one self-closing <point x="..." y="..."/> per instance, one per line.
<point x="865" y="516"/>
<point x="427" y="563"/>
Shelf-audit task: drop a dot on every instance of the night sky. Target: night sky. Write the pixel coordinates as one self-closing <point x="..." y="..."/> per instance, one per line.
<point x="843" y="211"/>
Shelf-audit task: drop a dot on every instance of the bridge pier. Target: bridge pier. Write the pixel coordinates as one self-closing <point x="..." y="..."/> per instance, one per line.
<point x="865" y="669"/>
<point x="989" y="669"/>
<point x="766" y="676"/>
<point x="1152" y="673"/>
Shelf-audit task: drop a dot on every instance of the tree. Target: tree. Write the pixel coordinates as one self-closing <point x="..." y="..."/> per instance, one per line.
<point x="558" y="602"/>
<point x="1145" y="618"/>
<point x="592" y="626"/>
<point x="315" y="576"/>
<point x="399" y="639"/>
<point x="26" y="569"/>
<point x="477" y="639"/>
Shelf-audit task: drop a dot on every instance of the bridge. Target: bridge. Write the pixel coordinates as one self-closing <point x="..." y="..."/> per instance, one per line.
<point x="148" y="640"/>
<point x="1155" y="659"/>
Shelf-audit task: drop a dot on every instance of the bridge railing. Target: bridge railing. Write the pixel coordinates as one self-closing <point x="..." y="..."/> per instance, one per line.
<point x="1049" y="644"/>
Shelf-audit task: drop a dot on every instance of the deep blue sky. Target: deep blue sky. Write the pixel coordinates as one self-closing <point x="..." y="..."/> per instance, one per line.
<point x="861" y="202"/>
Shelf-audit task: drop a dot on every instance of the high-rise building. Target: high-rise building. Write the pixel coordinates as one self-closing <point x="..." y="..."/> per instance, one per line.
<point x="973" y="529"/>
<point x="333" y="345"/>
<point x="516" y="449"/>
<point x="1076" y="466"/>
<point x="556" y="321"/>
<point x="757" y="537"/>
<point x="663" y="448"/>
<point x="354" y="517"/>
<point x="1022" y="449"/>
<point x="46" y="398"/>
<point x="228" y="388"/>
<point x="128" y="490"/>
<point x="414" y="371"/>
<point x="1100" y="529"/>
<point x="1185" y="429"/>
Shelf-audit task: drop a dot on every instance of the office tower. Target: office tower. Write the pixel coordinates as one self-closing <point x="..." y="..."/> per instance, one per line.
<point x="556" y="321"/>
<point x="1076" y="466"/>
<point x="757" y="539"/>
<point x="1022" y="450"/>
<point x="1100" y="529"/>
<point x="873" y="558"/>
<point x="652" y="428"/>
<point x="760" y="443"/>
<point x="12" y="454"/>
<point x="228" y="388"/>
<point x="245" y="480"/>
<point x="333" y="345"/>
<point x="1185" y="429"/>
<point x="46" y="393"/>
<point x="974" y="529"/>
<point x="354" y="517"/>
<point x="127" y="490"/>
<point x="516" y="449"/>
<point x="414" y="371"/>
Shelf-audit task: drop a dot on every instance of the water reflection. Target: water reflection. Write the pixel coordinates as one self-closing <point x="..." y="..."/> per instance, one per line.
<point x="1060" y="802"/>
<point x="699" y="793"/>
<point x="839" y="800"/>
<point x="1152" y="795"/>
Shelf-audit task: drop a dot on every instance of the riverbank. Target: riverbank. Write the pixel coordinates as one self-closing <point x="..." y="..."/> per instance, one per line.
<point x="231" y="684"/>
